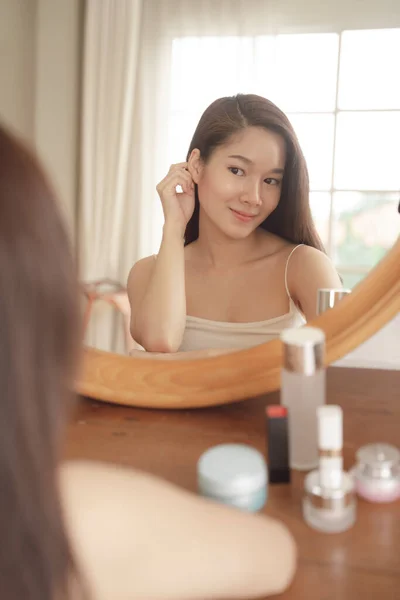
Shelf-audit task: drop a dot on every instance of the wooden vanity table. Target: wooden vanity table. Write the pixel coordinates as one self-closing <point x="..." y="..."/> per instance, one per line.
<point x="361" y="564"/>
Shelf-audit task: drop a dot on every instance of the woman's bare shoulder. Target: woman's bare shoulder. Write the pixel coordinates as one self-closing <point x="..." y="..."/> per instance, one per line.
<point x="143" y="264"/>
<point x="310" y="270"/>
<point x="140" y="273"/>
<point x="307" y="257"/>
<point x="136" y="536"/>
<point x="99" y="483"/>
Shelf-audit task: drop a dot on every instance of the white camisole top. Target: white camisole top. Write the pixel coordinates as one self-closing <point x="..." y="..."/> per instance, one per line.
<point x="201" y="334"/>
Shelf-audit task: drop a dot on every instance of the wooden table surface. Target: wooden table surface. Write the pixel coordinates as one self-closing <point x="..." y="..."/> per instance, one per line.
<point x="361" y="564"/>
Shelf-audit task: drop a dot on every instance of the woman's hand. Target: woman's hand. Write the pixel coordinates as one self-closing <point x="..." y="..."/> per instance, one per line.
<point x="178" y="207"/>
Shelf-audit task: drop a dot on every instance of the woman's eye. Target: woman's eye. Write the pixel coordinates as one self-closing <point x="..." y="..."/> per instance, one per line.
<point x="236" y="171"/>
<point x="272" y="181"/>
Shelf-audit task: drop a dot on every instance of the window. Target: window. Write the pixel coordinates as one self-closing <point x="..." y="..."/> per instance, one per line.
<point x="342" y="95"/>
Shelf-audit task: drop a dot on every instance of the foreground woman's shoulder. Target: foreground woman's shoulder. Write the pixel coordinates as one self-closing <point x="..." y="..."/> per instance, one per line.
<point x="135" y="536"/>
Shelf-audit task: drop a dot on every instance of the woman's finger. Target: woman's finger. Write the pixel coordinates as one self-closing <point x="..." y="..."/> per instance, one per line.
<point x="177" y="166"/>
<point x="176" y="178"/>
<point x="174" y="173"/>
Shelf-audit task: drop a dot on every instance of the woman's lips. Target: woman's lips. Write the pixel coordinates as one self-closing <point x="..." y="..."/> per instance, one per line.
<point x="244" y="217"/>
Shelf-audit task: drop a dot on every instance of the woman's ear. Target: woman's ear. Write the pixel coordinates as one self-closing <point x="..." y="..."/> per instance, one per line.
<point x="195" y="165"/>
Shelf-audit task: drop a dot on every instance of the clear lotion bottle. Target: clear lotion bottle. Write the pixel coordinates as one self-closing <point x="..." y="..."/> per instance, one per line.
<point x="303" y="387"/>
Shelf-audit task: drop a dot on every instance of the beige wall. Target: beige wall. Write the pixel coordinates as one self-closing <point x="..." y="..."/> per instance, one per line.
<point x="40" y="47"/>
<point x="17" y="59"/>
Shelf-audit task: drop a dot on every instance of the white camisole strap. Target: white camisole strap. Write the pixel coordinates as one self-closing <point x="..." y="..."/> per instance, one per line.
<point x="286" y="269"/>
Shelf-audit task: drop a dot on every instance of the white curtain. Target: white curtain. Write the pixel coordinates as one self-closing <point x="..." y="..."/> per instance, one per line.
<point x="117" y="125"/>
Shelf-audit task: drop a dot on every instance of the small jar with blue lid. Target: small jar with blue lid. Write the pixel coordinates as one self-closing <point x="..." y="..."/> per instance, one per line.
<point x="234" y="474"/>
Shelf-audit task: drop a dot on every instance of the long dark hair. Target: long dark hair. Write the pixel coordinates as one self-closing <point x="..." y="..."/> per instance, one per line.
<point x="39" y="336"/>
<point x="292" y="219"/>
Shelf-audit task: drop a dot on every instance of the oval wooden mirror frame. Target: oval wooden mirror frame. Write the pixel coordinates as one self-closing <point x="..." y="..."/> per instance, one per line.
<point x="247" y="373"/>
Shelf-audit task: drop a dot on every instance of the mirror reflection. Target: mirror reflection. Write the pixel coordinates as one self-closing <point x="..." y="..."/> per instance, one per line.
<point x="235" y="284"/>
<point x="116" y="119"/>
<point x="243" y="276"/>
<point x="252" y="262"/>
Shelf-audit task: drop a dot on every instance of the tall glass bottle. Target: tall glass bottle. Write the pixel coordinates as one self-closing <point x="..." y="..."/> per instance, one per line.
<point x="303" y="387"/>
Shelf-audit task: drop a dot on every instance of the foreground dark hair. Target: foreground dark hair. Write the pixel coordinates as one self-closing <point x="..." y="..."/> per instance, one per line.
<point x="292" y="219"/>
<point x="39" y="335"/>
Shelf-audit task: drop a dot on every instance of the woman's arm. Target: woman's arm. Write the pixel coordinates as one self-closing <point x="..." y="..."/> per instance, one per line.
<point x="308" y="271"/>
<point x="156" y="291"/>
<point x="137" y="537"/>
<point x="156" y="288"/>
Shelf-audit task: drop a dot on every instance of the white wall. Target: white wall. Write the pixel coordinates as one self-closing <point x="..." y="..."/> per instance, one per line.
<point x="382" y="351"/>
<point x="40" y="46"/>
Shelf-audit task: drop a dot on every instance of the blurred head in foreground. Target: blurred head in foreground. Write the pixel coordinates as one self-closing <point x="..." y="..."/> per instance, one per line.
<point x="39" y="335"/>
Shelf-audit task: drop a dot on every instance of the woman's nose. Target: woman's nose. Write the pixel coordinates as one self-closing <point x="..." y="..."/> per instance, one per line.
<point x="251" y="195"/>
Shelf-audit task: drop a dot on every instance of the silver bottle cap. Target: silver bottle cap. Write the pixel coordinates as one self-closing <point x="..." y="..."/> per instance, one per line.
<point x="380" y="461"/>
<point x="328" y="297"/>
<point x="303" y="350"/>
<point x="329" y="498"/>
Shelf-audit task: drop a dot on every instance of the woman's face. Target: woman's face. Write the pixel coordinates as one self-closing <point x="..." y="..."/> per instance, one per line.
<point x="240" y="185"/>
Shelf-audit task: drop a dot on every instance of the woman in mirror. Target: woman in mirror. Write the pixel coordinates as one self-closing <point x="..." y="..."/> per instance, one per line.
<point x="83" y="530"/>
<point x="240" y="259"/>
